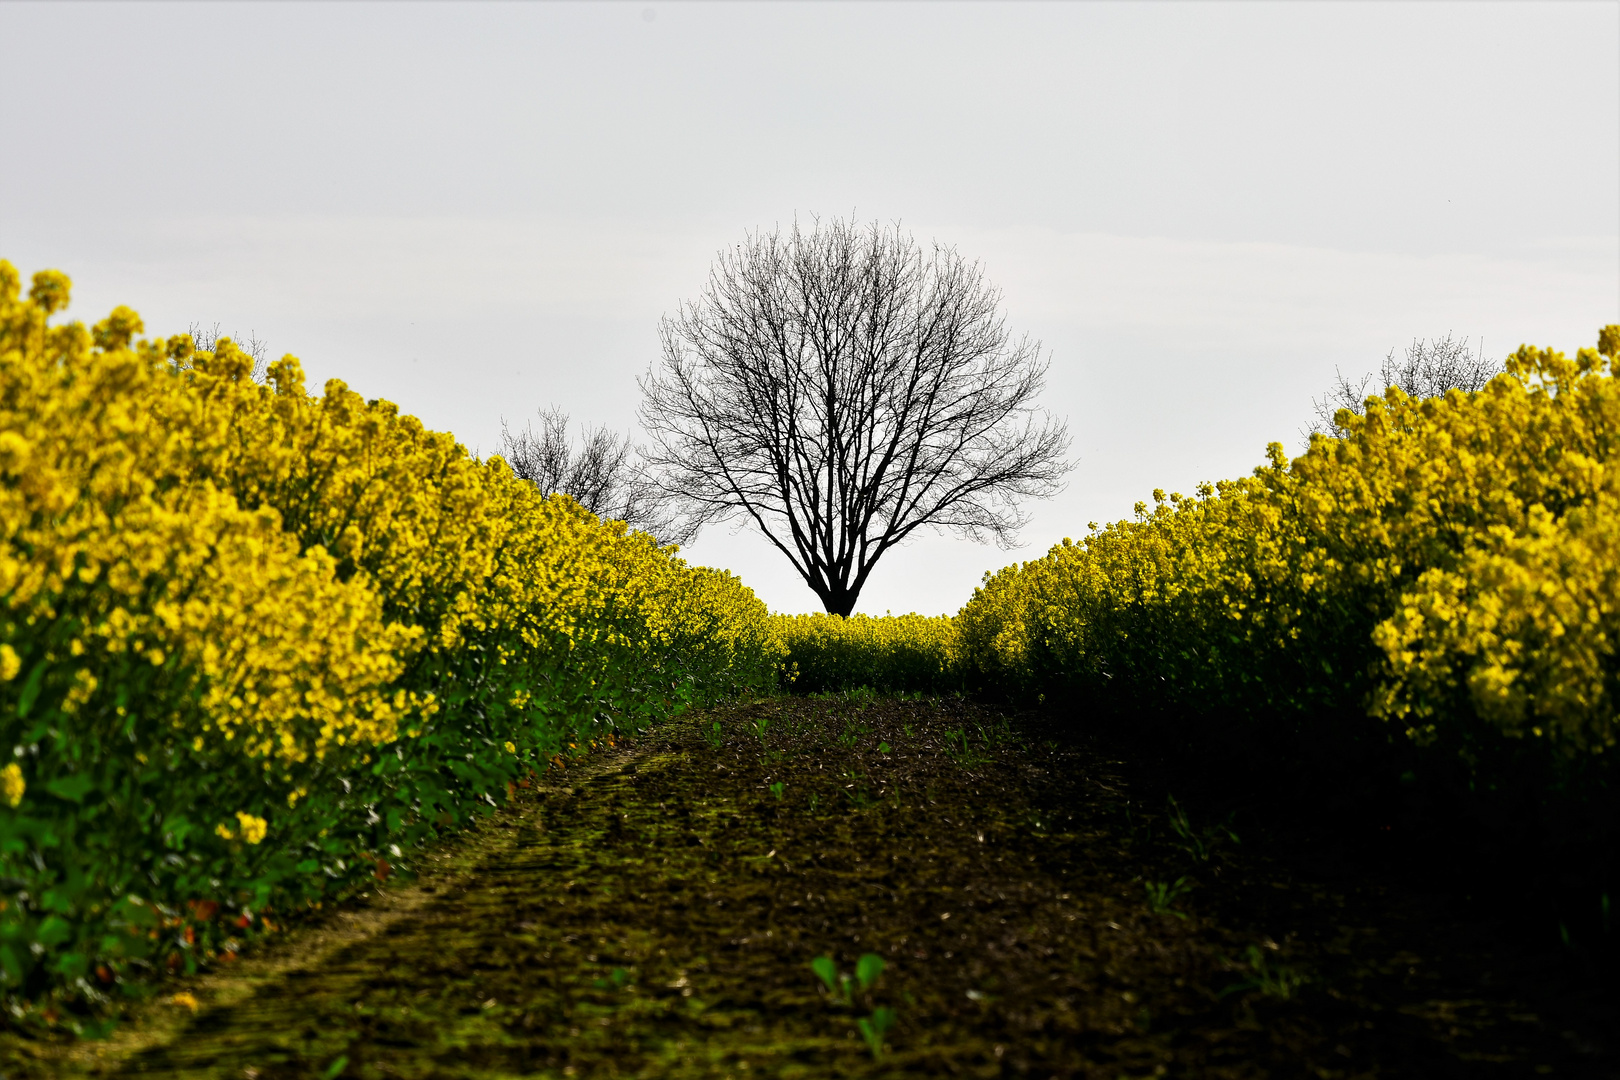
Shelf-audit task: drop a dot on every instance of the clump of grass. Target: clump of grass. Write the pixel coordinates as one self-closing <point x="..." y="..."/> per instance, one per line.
<point x="960" y="749"/>
<point x="853" y="734"/>
<point x="1162" y="896"/>
<point x="1270" y="977"/>
<point x="1201" y="844"/>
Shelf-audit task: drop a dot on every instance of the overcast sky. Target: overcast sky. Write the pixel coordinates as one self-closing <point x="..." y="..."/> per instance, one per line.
<point x="475" y="211"/>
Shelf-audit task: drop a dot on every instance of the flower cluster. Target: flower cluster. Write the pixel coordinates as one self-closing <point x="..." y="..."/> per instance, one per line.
<point x="892" y="652"/>
<point x="1448" y="563"/>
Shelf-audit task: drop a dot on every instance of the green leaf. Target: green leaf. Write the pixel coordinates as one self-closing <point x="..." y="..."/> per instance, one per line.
<point x="826" y="971"/>
<point x="30" y="689"/>
<point x="72" y="965"/>
<point x="98" y="1029"/>
<point x="55" y="930"/>
<point x="867" y="969"/>
<point x="135" y="914"/>
<point x="71" y="788"/>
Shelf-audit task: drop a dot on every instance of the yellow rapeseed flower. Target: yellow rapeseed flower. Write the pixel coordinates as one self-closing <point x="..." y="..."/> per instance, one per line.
<point x="253" y="828"/>
<point x="1482" y="530"/>
<point x="12" y="785"/>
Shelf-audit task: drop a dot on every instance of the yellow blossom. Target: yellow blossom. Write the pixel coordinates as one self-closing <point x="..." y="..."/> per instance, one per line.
<point x="253" y="828"/>
<point x="12" y="785"/>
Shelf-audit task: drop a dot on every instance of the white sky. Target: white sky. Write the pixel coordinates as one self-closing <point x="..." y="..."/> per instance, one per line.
<point x="476" y="211"/>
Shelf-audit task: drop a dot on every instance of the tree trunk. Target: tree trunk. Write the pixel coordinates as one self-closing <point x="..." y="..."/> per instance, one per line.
<point x="839" y="599"/>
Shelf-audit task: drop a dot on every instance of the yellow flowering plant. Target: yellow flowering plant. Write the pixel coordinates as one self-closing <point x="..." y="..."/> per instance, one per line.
<point x="907" y="653"/>
<point x="1448" y="561"/>
<point x="252" y="637"/>
<point x="1425" y="607"/>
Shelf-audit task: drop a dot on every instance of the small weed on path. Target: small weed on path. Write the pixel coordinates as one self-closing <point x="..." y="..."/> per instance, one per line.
<point x="843" y="987"/>
<point x="1162" y="897"/>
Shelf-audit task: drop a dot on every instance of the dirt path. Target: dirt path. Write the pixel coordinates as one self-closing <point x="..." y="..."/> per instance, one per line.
<point x="656" y="914"/>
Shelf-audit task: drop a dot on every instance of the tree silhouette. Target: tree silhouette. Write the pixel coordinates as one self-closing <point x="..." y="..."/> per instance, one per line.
<point x="840" y="388"/>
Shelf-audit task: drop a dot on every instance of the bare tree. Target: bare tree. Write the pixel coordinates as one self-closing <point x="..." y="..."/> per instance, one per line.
<point x="839" y="388"/>
<point x="602" y="473"/>
<point x="1429" y="370"/>
<point x="205" y="339"/>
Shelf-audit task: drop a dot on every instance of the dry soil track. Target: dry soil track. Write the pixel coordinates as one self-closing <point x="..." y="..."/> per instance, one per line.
<point x="654" y="914"/>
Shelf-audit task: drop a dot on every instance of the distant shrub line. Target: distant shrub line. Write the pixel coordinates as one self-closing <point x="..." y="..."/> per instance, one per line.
<point x="891" y="653"/>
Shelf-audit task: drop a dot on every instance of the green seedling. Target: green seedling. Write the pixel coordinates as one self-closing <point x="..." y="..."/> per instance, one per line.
<point x="777" y="789"/>
<point x="1039" y="821"/>
<point x="960" y="749"/>
<point x="1200" y="845"/>
<point x="998" y="732"/>
<point x="860" y="798"/>
<point x="616" y="980"/>
<point x="827" y="972"/>
<point x="857" y="792"/>
<point x="762" y="724"/>
<point x="815" y="800"/>
<point x="843" y="987"/>
<point x="872" y="1029"/>
<point x="884" y="748"/>
<point x="334" y="1070"/>
<point x="1271" y="979"/>
<point x="852" y="735"/>
<point x="1181" y="825"/>
<point x="715" y="736"/>
<point x="1161" y="897"/>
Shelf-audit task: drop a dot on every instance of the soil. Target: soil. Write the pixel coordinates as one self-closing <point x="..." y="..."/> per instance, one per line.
<point x="656" y="912"/>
